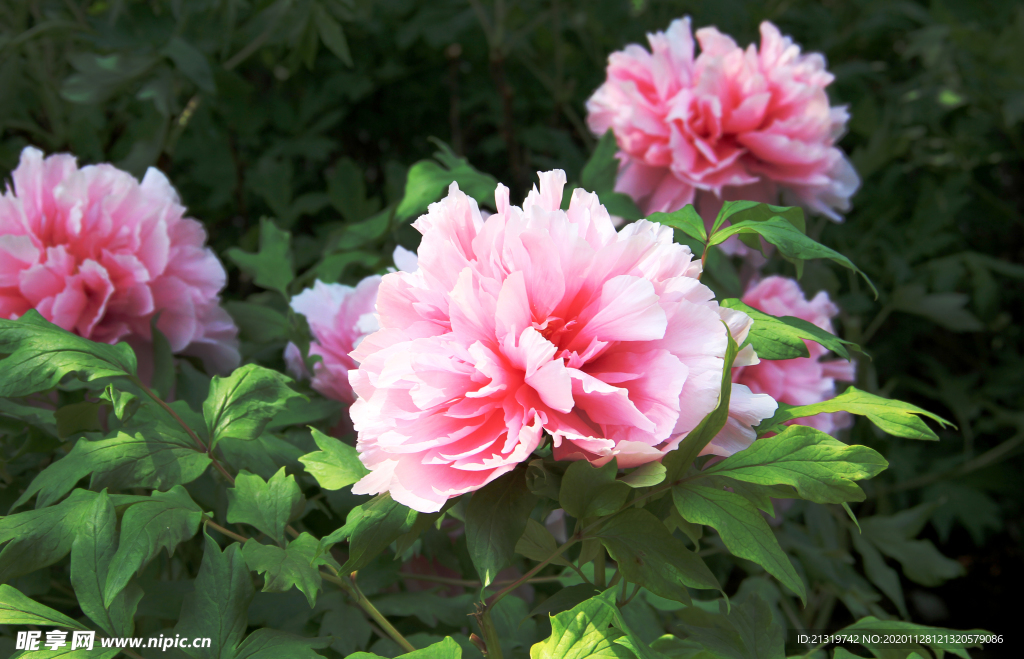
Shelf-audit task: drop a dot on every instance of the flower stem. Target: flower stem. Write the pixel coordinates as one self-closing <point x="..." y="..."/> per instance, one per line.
<point x="229" y="533"/>
<point x="537" y="568"/>
<point x="385" y="624"/>
<point x="491" y="641"/>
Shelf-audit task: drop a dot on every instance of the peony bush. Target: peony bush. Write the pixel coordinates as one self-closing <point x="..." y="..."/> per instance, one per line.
<point x="449" y="426"/>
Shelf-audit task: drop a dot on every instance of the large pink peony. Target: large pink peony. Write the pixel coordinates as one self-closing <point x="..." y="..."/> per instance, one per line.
<point x="339" y="317"/>
<point x="727" y="124"/>
<point x="536" y="320"/>
<point x="804" y="380"/>
<point x="99" y="253"/>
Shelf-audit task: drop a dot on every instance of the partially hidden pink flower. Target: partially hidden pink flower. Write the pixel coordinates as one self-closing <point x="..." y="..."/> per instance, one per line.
<point x="804" y="380"/>
<point x="730" y="123"/>
<point x="535" y="319"/>
<point x="98" y="253"/>
<point x="339" y="317"/>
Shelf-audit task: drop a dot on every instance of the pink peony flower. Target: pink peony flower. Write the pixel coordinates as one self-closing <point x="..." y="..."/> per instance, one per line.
<point x="339" y="318"/>
<point x="99" y="253"/>
<point x="728" y="124"/>
<point x="804" y="380"/>
<point x="535" y="320"/>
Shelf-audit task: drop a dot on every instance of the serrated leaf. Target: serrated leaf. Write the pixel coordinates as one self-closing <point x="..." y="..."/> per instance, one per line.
<point x="159" y="456"/>
<point x="748" y="631"/>
<point x="743" y="530"/>
<point x="163" y="521"/>
<point x="495" y="520"/>
<point x="271" y="266"/>
<point x="267" y="505"/>
<point x="894" y="536"/>
<point x="782" y="337"/>
<point x="16" y="609"/>
<point x="295" y="565"/>
<point x="369" y="529"/>
<point x="647" y="554"/>
<point x="892" y="416"/>
<point x="40" y="355"/>
<point x="38" y="538"/>
<point x="124" y="404"/>
<point x="582" y="632"/>
<point x="335" y="465"/>
<point x="162" y="381"/>
<point x="686" y="219"/>
<point x="427" y="181"/>
<point x="275" y="644"/>
<point x="91" y="553"/>
<point x="821" y="468"/>
<point x="217" y="608"/>
<point x="938" y="639"/>
<point x="538" y="544"/>
<point x="790" y="241"/>
<point x="881" y="575"/>
<point x="241" y="404"/>
<point x="589" y="491"/>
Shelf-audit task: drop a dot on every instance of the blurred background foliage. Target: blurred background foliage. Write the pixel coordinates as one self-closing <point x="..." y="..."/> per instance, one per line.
<point x="312" y="112"/>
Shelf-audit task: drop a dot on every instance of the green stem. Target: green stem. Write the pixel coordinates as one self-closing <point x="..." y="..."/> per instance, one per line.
<point x="490" y="634"/>
<point x="384" y="623"/>
<point x="229" y="533"/>
<point x="599" y="565"/>
<point x="537" y="568"/>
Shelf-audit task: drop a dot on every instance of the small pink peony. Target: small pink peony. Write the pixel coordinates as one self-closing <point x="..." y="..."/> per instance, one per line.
<point x="339" y="318"/>
<point x="804" y="380"/>
<point x="535" y="320"/>
<point x="728" y="124"/>
<point x="99" y="253"/>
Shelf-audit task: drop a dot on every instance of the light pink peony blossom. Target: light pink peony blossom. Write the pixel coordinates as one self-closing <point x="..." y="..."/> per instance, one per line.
<point x="339" y="317"/>
<point x="99" y="253"/>
<point x="727" y="124"/>
<point x="535" y="320"/>
<point x="804" y="380"/>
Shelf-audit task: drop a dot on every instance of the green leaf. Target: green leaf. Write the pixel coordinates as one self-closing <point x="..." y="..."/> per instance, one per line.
<point x="125" y="404"/>
<point x="686" y="219"/>
<point x="77" y="418"/>
<point x="601" y="170"/>
<point x="646" y="475"/>
<point x="446" y="649"/>
<point x="241" y="405"/>
<point x="587" y="630"/>
<point x="266" y="505"/>
<point x="822" y="469"/>
<point x="743" y="530"/>
<point x="895" y="536"/>
<point x="884" y="577"/>
<point x="331" y="34"/>
<point x="38" y="538"/>
<point x="295" y="565"/>
<point x="163" y="360"/>
<point x="790" y="241"/>
<point x="737" y="211"/>
<point x="161" y="522"/>
<point x="944" y="309"/>
<point x="369" y="529"/>
<point x="335" y="465"/>
<point x="40" y="355"/>
<point x="944" y="640"/>
<point x="647" y="554"/>
<point x="257" y="322"/>
<point x="346" y="188"/>
<point x="748" y="631"/>
<point x="191" y="62"/>
<point x="91" y="553"/>
<point x="782" y="337"/>
<point x="160" y="456"/>
<point x="892" y="416"/>
<point x="565" y="599"/>
<point x="589" y="491"/>
<point x="538" y="544"/>
<point x="275" y="644"/>
<point x="16" y="609"/>
<point x="679" y="460"/>
<point x="218" y="606"/>
<point x="495" y="520"/>
<point x="271" y="267"/>
<point x="427" y="181"/>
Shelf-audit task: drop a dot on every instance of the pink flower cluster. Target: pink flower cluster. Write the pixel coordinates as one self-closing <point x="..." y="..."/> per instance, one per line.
<point x="339" y="317"/>
<point x="538" y="320"/>
<point x="731" y="123"/>
<point x="99" y="253"/>
<point x="804" y="380"/>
